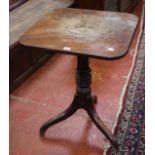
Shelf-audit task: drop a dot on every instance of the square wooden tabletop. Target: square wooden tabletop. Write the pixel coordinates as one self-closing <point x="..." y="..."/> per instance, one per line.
<point x="99" y="34"/>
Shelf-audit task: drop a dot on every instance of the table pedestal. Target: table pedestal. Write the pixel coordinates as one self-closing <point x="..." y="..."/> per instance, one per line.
<point x="82" y="99"/>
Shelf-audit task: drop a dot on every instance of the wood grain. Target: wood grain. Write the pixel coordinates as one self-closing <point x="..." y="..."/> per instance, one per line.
<point x="99" y="34"/>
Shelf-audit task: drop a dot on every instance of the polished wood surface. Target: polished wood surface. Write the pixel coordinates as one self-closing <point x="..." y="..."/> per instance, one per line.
<point x="26" y="15"/>
<point x="98" y="34"/>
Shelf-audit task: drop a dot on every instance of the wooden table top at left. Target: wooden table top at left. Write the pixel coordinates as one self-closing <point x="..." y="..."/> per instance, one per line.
<point x="27" y="14"/>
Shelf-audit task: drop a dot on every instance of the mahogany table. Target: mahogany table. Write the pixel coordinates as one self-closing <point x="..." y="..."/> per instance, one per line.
<point x="84" y="33"/>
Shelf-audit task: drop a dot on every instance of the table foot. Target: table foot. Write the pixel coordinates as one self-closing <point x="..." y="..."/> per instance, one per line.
<point x="62" y="116"/>
<point x="100" y="125"/>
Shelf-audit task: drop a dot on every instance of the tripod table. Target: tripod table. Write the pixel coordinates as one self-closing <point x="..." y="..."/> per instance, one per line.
<point x="85" y="34"/>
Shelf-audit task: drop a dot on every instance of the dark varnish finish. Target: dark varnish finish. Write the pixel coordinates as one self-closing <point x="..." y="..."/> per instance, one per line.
<point x="84" y="33"/>
<point x="99" y="34"/>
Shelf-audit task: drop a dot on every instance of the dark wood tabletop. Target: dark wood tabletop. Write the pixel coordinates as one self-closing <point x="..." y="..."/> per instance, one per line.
<point x="99" y="34"/>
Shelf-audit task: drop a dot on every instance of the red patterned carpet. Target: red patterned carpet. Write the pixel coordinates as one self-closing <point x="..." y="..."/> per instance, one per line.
<point x="130" y="130"/>
<point x="50" y="90"/>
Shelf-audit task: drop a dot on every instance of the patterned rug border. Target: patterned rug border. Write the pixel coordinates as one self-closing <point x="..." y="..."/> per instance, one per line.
<point x="128" y="139"/>
<point x="124" y="91"/>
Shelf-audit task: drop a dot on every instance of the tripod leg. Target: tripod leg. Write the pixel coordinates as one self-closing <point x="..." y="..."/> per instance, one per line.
<point x="100" y="125"/>
<point x="62" y="116"/>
